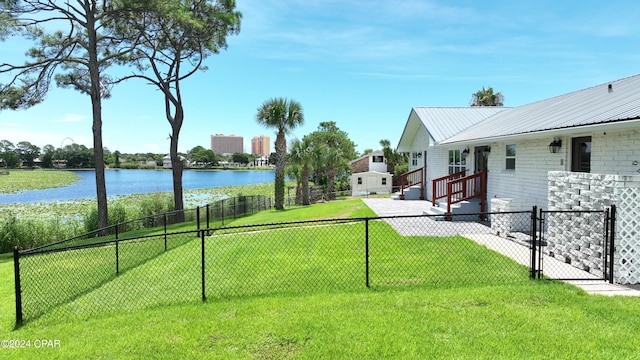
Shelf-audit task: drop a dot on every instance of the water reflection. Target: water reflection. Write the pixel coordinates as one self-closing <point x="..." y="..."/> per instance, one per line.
<point x="125" y="182"/>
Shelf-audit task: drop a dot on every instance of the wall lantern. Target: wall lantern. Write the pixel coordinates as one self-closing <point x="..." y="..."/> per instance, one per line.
<point x="555" y="145"/>
<point x="486" y="151"/>
<point x="419" y="154"/>
<point x="465" y="153"/>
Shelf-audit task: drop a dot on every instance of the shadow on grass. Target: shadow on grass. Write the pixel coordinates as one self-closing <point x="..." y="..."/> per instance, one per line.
<point x="46" y="288"/>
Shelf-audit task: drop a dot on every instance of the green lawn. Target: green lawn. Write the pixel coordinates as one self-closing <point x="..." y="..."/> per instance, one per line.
<point x="499" y="315"/>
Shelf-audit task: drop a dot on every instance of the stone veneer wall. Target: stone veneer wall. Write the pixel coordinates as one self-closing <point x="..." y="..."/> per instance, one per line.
<point x="578" y="239"/>
<point x="504" y="224"/>
<point x="501" y="224"/>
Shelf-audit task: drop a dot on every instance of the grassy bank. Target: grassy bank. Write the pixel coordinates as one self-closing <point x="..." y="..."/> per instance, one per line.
<point x="485" y="320"/>
<point x="32" y="224"/>
<point x="21" y="180"/>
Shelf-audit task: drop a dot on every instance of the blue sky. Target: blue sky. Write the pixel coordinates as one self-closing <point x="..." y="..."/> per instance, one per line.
<point x="362" y="64"/>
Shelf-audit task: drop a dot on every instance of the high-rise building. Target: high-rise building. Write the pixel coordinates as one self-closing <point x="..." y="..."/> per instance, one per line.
<point x="260" y="145"/>
<point x="227" y="144"/>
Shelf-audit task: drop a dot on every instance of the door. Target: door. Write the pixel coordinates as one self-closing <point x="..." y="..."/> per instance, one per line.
<point x="480" y="155"/>
<point x="481" y="159"/>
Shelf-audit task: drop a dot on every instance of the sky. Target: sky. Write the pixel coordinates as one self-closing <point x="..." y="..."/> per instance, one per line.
<point x="360" y="63"/>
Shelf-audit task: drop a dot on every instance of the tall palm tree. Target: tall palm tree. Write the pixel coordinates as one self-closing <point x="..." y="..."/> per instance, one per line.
<point x="283" y="115"/>
<point x="486" y="97"/>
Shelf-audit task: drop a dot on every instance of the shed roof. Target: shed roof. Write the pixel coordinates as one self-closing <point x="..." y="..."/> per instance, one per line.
<point x="610" y="102"/>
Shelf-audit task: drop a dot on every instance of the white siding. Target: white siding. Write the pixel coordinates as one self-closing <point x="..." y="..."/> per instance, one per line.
<point x="612" y="153"/>
<point x="615" y="152"/>
<point x="377" y="166"/>
<point x="420" y="143"/>
<point x="371" y="183"/>
<point x="437" y="167"/>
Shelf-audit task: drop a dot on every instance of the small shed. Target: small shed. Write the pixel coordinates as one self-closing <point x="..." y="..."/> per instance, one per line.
<point x="370" y="182"/>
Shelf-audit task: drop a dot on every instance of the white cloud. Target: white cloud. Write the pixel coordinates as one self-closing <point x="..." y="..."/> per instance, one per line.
<point x="9" y="124"/>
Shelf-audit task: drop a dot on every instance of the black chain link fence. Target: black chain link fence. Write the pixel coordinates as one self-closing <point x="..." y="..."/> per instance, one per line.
<point x="210" y="215"/>
<point x="127" y="274"/>
<point x="577" y="245"/>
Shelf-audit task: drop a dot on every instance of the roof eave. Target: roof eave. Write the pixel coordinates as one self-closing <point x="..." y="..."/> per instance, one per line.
<point x="619" y="124"/>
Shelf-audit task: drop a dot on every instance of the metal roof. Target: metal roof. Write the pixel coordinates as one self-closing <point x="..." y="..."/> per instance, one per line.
<point x="610" y="102"/>
<point x="444" y="122"/>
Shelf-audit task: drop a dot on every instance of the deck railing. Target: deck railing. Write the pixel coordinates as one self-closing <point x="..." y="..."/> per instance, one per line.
<point x="440" y="187"/>
<point x="412" y="178"/>
<point x="458" y="187"/>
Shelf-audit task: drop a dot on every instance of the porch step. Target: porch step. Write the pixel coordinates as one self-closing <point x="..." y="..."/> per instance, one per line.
<point x="470" y="206"/>
<point x="411" y="193"/>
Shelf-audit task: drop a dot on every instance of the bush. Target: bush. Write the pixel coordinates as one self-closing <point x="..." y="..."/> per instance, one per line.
<point x="152" y="205"/>
<point x="91" y="221"/>
<point x="117" y="214"/>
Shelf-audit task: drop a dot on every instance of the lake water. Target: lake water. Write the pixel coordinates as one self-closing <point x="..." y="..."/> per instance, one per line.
<point x="125" y="182"/>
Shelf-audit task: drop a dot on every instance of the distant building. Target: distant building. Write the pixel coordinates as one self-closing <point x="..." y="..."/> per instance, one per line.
<point x="260" y="145"/>
<point x="166" y="161"/>
<point x="227" y="144"/>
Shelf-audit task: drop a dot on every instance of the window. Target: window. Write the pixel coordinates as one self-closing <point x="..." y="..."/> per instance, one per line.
<point x="510" y="163"/>
<point x="378" y="159"/>
<point x="456" y="162"/>
<point x="359" y="181"/>
<point x="581" y="154"/>
<point x="384" y="181"/>
<point x="414" y="159"/>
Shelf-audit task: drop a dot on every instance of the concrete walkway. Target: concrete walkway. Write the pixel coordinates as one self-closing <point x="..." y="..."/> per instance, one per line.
<point x="482" y="235"/>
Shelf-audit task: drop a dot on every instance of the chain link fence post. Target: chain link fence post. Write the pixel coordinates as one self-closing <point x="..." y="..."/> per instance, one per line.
<point x="16" y="268"/>
<point x="612" y="235"/>
<point x="366" y="249"/>
<point x="208" y="224"/>
<point x="222" y="211"/>
<point x="117" y="253"/>
<point x="164" y="221"/>
<point x="204" y="296"/>
<point x="534" y="237"/>
<point x="198" y="218"/>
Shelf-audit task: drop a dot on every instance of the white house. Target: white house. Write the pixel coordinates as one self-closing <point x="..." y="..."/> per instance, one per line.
<point x="426" y="128"/>
<point x="370" y="175"/>
<point x="370" y="182"/>
<point x="166" y="161"/>
<point x="574" y="151"/>
<point x="373" y="161"/>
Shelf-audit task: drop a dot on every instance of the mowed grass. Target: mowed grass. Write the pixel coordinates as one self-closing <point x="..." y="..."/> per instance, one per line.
<point x="508" y="316"/>
<point x="20" y="180"/>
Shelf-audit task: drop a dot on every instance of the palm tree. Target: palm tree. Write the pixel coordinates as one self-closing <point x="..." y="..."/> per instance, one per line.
<point x="283" y="115"/>
<point x="302" y="157"/>
<point x="486" y="97"/>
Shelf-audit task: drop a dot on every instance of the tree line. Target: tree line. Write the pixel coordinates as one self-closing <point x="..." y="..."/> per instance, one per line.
<point x="76" y="156"/>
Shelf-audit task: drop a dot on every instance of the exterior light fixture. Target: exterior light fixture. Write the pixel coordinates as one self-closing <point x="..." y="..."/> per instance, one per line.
<point x="486" y="151"/>
<point x="555" y="145"/>
<point x="465" y="153"/>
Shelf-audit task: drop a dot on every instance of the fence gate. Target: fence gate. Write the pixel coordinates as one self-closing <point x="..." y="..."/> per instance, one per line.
<point x="574" y="245"/>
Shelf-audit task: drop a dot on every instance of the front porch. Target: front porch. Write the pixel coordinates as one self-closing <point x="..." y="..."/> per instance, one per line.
<point x="457" y="193"/>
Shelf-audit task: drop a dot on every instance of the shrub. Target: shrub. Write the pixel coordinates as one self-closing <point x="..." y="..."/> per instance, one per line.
<point x="91" y="221"/>
<point x="31" y="233"/>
